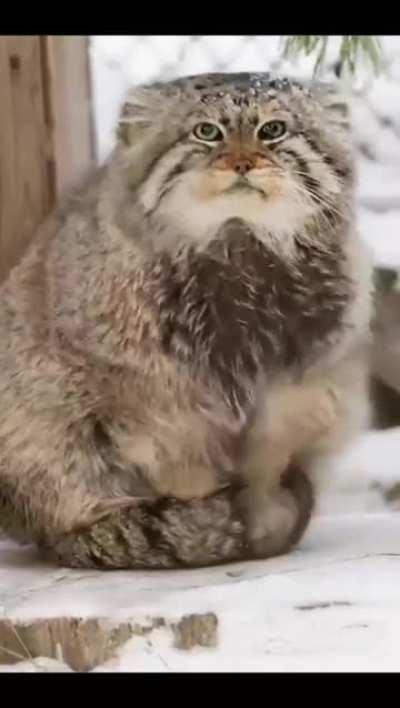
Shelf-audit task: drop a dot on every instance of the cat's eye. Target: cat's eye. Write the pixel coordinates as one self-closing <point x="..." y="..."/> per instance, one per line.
<point x="208" y="131"/>
<point x="272" y="130"/>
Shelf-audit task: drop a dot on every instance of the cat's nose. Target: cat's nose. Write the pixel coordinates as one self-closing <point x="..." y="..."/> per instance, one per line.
<point x="242" y="165"/>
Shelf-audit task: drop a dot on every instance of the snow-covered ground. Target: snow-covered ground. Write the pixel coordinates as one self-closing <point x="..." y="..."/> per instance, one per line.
<point x="330" y="605"/>
<point x="333" y="603"/>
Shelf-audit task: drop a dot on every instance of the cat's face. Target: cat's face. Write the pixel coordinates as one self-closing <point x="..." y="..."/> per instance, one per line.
<point x="225" y="146"/>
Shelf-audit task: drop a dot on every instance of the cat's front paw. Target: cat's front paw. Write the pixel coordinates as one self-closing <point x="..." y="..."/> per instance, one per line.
<point x="271" y="523"/>
<point x="276" y="520"/>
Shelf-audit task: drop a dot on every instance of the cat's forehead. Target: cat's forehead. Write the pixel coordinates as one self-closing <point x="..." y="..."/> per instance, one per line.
<point x="231" y="97"/>
<point x="239" y="87"/>
<point x="234" y="91"/>
<point x="239" y="83"/>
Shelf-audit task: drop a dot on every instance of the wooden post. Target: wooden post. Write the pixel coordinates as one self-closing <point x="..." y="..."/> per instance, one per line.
<point x="25" y="191"/>
<point x="68" y="103"/>
<point x="45" y="132"/>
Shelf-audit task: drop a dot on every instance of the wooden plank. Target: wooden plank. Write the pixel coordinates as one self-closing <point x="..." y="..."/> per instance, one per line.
<point x="46" y="136"/>
<point x="25" y="190"/>
<point x="68" y="107"/>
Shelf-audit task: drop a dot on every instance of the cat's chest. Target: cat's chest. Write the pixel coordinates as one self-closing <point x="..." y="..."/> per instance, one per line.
<point x="246" y="308"/>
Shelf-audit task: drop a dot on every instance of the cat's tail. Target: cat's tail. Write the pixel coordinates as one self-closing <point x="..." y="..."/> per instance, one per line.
<point x="170" y="533"/>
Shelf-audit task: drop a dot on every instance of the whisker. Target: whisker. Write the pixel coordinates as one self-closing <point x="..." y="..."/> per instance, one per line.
<point x="322" y="202"/>
<point x="322" y="199"/>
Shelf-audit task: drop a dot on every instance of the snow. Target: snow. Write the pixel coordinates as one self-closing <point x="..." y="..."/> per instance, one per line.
<point x="331" y="605"/>
<point x="42" y="664"/>
<point x="356" y="480"/>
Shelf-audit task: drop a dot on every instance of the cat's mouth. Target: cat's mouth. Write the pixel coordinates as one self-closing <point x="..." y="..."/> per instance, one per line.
<point x="243" y="185"/>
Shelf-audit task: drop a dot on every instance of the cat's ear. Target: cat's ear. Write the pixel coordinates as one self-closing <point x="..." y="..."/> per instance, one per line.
<point x="129" y="132"/>
<point x="336" y="104"/>
<point x="141" y="109"/>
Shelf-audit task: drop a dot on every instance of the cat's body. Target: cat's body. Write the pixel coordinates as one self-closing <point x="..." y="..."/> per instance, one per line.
<point x="187" y="333"/>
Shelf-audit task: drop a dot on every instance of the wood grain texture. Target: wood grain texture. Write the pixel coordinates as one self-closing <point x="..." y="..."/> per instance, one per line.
<point x="25" y="190"/>
<point x="46" y="139"/>
<point x="68" y="105"/>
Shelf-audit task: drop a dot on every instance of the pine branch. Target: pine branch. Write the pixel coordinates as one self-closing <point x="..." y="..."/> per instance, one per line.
<point x="354" y="50"/>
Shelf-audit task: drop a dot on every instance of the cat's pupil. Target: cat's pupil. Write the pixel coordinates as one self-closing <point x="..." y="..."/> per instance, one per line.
<point x="271" y="130"/>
